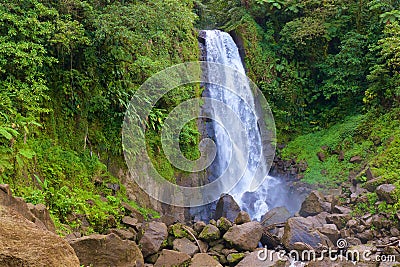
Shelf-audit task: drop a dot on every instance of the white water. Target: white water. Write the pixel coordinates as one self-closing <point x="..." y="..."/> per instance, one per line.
<point x="221" y="49"/>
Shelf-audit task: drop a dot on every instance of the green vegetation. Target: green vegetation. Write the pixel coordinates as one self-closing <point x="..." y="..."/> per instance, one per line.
<point x="329" y="69"/>
<point x="67" y="72"/>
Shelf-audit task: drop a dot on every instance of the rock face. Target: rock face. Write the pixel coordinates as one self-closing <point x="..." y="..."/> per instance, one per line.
<point x="385" y="192"/>
<point x="171" y="258"/>
<point x="22" y="243"/>
<point x="227" y="207"/>
<point x="107" y="250"/>
<point x="204" y="260"/>
<point x="24" y="209"/>
<point x="154" y="234"/>
<point x="245" y="236"/>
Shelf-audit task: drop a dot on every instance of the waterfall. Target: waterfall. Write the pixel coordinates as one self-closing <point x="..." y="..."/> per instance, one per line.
<point x="220" y="48"/>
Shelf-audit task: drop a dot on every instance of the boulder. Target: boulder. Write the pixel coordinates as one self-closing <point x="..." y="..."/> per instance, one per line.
<point x="223" y="224"/>
<point x="227" y="207"/>
<point x="129" y="221"/>
<point x="372" y="184"/>
<point x="385" y="192"/>
<point x="107" y="250"/>
<point x="331" y="231"/>
<point x="242" y="217"/>
<point x="22" y="208"/>
<point x="199" y="226"/>
<point x="313" y="204"/>
<point x="23" y="243"/>
<point x="275" y="216"/>
<point x="245" y="236"/>
<point x="186" y="246"/>
<point x="299" y="229"/>
<point x="210" y="233"/>
<point x="154" y="233"/>
<point x="179" y="230"/>
<point x="204" y="260"/>
<point x="262" y="258"/>
<point x="172" y="258"/>
<point x="123" y="234"/>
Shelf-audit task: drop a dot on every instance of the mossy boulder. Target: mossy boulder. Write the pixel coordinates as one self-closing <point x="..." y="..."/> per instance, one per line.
<point x="210" y="233"/>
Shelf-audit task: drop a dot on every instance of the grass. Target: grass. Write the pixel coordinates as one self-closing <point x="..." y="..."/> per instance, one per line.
<point x="375" y="138"/>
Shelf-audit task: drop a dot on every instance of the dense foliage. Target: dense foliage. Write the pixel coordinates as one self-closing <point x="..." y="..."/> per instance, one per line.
<point x="329" y="69"/>
<point x="68" y="70"/>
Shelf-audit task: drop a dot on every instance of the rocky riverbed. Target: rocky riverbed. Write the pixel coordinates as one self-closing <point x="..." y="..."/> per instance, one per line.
<point x="325" y="232"/>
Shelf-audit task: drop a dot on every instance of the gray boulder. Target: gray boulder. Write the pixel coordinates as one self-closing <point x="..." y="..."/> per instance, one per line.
<point x="385" y="192"/>
<point x="154" y="233"/>
<point x="107" y="250"/>
<point x="245" y="236"/>
<point x="227" y="207"/>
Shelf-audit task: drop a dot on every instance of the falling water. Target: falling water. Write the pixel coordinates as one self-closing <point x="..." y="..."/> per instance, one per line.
<point x="220" y="48"/>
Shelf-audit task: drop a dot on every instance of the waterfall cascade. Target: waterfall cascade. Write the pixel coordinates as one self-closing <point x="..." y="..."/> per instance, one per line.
<point x="220" y="48"/>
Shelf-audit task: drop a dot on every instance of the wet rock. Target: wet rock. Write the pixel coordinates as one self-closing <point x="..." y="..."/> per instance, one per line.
<point x="275" y="216"/>
<point x="245" y="236"/>
<point x="299" y="229"/>
<point x="385" y="192"/>
<point x="153" y="235"/>
<point x="186" y="246"/>
<point x="210" y="233"/>
<point x="22" y="243"/>
<point x="242" y="217"/>
<point x="172" y="258"/>
<point x="107" y="250"/>
<point x="227" y="207"/>
<point x="204" y="260"/>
